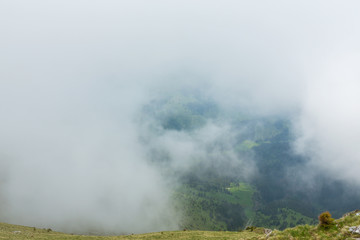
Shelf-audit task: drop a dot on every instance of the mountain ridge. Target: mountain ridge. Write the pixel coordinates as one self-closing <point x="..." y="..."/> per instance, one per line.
<point x="346" y="227"/>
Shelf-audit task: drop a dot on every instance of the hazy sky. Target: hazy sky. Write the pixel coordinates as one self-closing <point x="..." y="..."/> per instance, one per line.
<point x="74" y="74"/>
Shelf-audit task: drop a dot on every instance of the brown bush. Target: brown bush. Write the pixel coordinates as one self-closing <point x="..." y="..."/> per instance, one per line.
<point x="325" y="220"/>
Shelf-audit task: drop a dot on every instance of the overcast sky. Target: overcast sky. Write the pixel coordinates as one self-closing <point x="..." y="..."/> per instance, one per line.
<point x="74" y="74"/>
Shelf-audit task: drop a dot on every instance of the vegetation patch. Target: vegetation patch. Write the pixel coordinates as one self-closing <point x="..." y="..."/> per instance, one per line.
<point x="215" y="208"/>
<point x="339" y="230"/>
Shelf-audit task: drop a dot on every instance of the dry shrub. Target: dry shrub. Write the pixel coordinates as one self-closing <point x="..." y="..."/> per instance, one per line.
<point x="325" y="220"/>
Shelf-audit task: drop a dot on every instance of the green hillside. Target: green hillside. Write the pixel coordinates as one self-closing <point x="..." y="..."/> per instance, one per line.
<point x="232" y="208"/>
<point x="340" y="229"/>
<point x="215" y="208"/>
<point x="216" y="194"/>
<point x="16" y="232"/>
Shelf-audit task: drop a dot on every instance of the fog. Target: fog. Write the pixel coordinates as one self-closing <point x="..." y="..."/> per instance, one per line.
<point x="328" y="125"/>
<point x="75" y="75"/>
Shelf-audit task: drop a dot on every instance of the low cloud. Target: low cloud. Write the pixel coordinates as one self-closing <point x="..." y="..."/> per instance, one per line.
<point x="328" y="124"/>
<point x="75" y="76"/>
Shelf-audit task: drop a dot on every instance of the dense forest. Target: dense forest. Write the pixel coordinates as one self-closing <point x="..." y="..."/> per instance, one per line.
<point x="255" y="181"/>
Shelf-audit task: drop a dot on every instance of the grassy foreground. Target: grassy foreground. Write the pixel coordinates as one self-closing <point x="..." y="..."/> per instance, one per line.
<point x="8" y="231"/>
<point x="339" y="230"/>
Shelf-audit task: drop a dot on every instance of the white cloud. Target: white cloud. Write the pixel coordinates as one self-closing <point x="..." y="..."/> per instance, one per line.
<point x="74" y="73"/>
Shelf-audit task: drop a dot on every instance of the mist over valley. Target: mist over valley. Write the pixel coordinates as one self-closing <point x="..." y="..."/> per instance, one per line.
<point x="135" y="117"/>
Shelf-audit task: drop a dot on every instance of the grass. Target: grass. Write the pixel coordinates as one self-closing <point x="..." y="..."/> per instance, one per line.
<point x="247" y="144"/>
<point x="243" y="194"/>
<point x="16" y="232"/>
<point x="338" y="231"/>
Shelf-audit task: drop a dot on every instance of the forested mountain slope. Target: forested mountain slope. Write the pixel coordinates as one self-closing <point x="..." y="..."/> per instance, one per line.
<point x="245" y="175"/>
